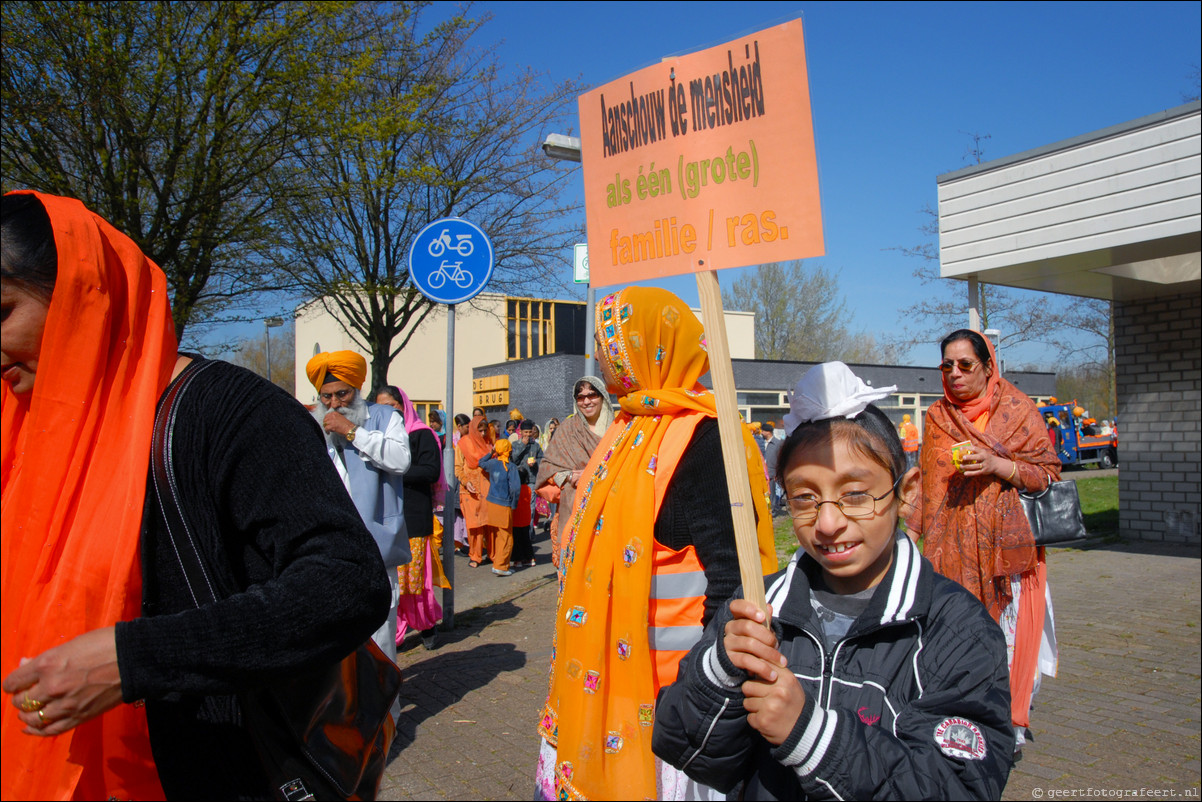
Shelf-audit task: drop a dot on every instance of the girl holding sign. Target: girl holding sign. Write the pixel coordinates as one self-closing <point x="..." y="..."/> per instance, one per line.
<point x="877" y="678"/>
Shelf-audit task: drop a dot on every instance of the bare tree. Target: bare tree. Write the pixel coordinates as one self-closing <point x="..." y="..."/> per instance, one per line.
<point x="1089" y="385"/>
<point x="167" y="118"/>
<point x="430" y="129"/>
<point x="1095" y="354"/>
<point x="800" y="314"/>
<point x="1022" y="316"/>
<point x="251" y="353"/>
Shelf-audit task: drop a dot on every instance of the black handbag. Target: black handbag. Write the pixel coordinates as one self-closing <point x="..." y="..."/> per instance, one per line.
<point x="1055" y="514"/>
<point x="322" y="734"/>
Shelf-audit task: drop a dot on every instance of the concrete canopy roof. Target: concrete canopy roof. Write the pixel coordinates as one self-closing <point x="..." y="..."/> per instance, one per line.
<point x="1114" y="214"/>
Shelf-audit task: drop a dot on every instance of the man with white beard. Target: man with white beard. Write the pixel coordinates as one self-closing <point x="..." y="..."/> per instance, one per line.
<point x="370" y="449"/>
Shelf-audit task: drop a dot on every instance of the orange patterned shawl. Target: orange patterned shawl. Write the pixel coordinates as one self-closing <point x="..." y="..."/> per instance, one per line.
<point x="75" y="455"/>
<point x="602" y="693"/>
<point x="974" y="529"/>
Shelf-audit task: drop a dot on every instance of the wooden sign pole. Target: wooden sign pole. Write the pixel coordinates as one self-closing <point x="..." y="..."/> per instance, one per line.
<point x="730" y="430"/>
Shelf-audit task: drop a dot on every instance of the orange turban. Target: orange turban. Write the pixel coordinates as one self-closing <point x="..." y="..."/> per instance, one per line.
<point x="331" y="366"/>
<point x="502" y="448"/>
<point x="515" y="414"/>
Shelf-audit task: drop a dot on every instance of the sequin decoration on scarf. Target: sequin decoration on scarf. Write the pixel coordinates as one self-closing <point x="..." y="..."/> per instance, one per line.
<point x="651" y="344"/>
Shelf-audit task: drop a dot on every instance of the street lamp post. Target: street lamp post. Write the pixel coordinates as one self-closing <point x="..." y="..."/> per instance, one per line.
<point x="269" y="324"/>
<point x="995" y="337"/>
<point x="567" y="148"/>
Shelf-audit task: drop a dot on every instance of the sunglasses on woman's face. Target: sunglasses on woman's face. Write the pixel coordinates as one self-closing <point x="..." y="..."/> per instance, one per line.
<point x="965" y="365"/>
<point x="587" y="396"/>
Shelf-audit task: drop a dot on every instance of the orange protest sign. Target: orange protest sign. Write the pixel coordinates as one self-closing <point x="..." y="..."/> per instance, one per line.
<point x="704" y="161"/>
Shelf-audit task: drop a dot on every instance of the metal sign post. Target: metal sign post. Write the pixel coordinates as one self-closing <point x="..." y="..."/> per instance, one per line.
<point x="448" y="470"/>
<point x="450" y="261"/>
<point x="580" y="275"/>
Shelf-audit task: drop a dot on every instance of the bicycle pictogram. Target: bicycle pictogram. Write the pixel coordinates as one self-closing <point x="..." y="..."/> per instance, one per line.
<point x="443" y="243"/>
<point x="461" y="277"/>
<point x="450" y="260"/>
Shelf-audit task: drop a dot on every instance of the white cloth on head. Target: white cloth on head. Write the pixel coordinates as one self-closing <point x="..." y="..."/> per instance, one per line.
<point x="830" y="390"/>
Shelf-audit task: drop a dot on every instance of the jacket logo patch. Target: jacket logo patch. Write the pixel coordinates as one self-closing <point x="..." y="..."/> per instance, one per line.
<point x="959" y="737"/>
<point x="866" y="717"/>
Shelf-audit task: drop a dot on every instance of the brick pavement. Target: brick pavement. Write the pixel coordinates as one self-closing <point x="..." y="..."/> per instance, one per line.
<point x="1122" y="714"/>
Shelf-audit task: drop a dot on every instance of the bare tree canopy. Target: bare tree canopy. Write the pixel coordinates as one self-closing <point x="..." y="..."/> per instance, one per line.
<point x="1022" y="316"/>
<point x="1081" y="330"/>
<point x="252" y="354"/>
<point x="430" y="128"/>
<point x="801" y="315"/>
<point x="167" y="118"/>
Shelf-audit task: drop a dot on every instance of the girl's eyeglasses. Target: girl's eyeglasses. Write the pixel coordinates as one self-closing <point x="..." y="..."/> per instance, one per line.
<point x="804" y="508"/>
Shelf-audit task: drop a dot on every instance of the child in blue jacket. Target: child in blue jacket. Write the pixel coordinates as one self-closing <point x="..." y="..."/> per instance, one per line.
<point x="505" y="486"/>
<point x="876" y="678"/>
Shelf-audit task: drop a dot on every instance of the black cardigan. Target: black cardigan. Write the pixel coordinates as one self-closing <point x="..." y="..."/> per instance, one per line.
<point x="696" y="512"/>
<point x="424" y="464"/>
<point x="301" y="580"/>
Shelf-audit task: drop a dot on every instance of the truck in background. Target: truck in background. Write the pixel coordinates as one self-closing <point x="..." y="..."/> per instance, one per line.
<point x="1075" y="442"/>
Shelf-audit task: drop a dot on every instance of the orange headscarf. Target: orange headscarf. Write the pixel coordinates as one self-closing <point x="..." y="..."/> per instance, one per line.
<point x="973" y="407"/>
<point x="474" y="445"/>
<point x="75" y="455"/>
<point x="344" y="366"/>
<point x="655" y="349"/>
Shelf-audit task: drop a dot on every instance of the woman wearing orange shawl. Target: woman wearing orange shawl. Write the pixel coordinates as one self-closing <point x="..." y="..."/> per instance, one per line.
<point x="73" y="453"/>
<point x="473" y="485"/>
<point x="971" y="521"/>
<point x="652" y="519"/>
<point x="93" y="614"/>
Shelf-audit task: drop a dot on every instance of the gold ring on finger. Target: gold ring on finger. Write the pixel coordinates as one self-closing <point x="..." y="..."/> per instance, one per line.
<point x="30" y="705"/>
<point x="42" y="716"/>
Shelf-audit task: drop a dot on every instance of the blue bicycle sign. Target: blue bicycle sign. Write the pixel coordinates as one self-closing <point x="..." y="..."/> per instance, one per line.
<point x="450" y="260"/>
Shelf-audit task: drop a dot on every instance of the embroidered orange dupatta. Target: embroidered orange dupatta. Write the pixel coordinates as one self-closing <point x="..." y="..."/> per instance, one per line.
<point x="75" y="455"/>
<point x="602" y="692"/>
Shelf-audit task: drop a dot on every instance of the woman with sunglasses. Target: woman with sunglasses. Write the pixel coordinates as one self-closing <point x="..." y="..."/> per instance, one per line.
<point x="574" y="442"/>
<point x="983" y="442"/>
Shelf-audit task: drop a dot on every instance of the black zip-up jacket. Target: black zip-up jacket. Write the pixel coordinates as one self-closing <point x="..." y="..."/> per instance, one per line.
<point x="914" y="703"/>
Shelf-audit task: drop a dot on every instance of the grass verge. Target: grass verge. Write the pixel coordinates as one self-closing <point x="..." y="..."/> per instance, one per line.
<point x="1100" y="505"/>
<point x="786" y="541"/>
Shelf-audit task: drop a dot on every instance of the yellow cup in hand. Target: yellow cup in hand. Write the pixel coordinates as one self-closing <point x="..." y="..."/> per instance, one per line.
<point x="958" y="452"/>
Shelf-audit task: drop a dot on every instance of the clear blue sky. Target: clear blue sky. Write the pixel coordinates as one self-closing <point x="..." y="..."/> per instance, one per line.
<point x="895" y="89"/>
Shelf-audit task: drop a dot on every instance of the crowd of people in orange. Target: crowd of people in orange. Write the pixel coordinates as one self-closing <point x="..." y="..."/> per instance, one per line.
<point x="898" y="654"/>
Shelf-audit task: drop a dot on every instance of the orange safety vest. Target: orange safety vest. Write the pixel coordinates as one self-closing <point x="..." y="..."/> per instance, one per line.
<point x="909" y="437"/>
<point x="677" y="606"/>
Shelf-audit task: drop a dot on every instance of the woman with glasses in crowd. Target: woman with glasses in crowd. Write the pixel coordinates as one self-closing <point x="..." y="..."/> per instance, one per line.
<point x="570" y="451"/>
<point x="969" y="517"/>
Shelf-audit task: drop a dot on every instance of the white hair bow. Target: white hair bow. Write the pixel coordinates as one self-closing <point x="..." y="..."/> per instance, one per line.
<point x="830" y="390"/>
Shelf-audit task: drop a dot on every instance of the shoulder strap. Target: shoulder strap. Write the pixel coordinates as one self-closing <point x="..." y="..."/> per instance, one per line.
<point x="166" y="489"/>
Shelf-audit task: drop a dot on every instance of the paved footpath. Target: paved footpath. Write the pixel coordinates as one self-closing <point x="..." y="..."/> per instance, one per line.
<point x="1122" y="714"/>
